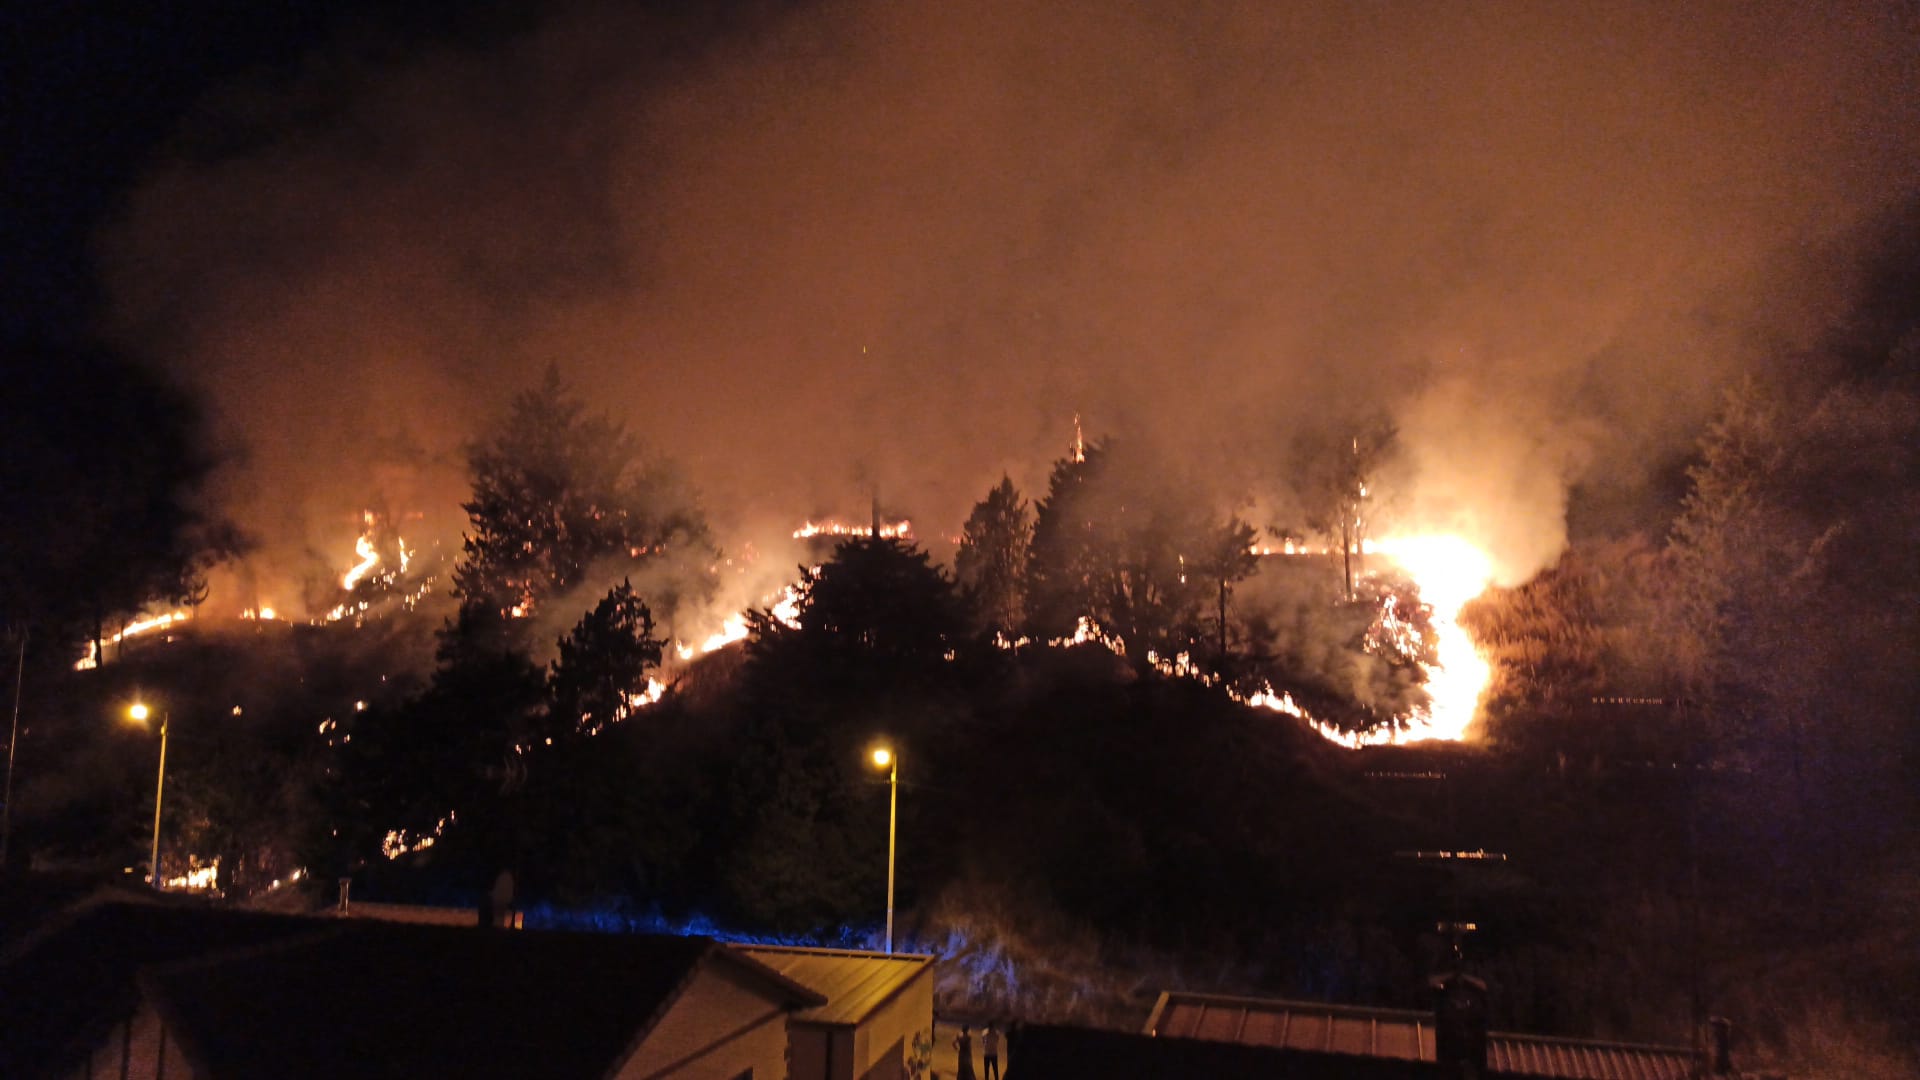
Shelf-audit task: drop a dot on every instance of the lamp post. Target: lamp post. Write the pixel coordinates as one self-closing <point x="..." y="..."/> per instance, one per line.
<point x="139" y="712"/>
<point x="885" y="758"/>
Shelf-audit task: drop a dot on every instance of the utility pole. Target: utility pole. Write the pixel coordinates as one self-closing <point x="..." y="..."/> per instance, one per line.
<point x="13" y="743"/>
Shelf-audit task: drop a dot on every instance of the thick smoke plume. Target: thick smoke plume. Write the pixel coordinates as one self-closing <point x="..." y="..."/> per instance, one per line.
<point x="814" y="251"/>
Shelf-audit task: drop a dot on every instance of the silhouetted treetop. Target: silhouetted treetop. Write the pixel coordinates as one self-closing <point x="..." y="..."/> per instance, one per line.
<point x="556" y="490"/>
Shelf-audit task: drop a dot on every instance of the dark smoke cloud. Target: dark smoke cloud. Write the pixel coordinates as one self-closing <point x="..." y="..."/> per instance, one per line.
<point x="852" y="245"/>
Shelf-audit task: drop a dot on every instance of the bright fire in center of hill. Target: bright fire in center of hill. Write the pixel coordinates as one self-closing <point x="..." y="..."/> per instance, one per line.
<point x="1449" y="571"/>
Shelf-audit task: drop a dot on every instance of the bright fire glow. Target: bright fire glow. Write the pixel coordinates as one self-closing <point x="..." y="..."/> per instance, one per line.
<point x="785" y="608"/>
<point x="199" y="876"/>
<point x="1449" y="571"/>
<point x="369" y="558"/>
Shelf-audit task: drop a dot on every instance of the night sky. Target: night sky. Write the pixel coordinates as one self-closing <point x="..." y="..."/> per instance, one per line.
<point x="814" y="250"/>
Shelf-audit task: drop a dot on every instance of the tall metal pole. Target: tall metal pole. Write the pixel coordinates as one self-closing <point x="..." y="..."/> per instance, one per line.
<point x="159" y="788"/>
<point x="13" y="743"/>
<point x="893" y="806"/>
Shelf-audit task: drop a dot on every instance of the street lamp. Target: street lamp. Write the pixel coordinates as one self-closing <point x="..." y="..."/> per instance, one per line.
<point x="139" y="712"/>
<point x="885" y="758"/>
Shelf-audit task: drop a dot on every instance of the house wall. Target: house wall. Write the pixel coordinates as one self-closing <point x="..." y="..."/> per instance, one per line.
<point x="134" y="1049"/>
<point x="885" y="1042"/>
<point x="719" y="1027"/>
<point x="821" y="1052"/>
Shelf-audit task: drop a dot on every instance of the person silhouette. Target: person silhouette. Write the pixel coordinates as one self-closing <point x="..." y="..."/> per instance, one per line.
<point x="990" y="1054"/>
<point x="963" y="1043"/>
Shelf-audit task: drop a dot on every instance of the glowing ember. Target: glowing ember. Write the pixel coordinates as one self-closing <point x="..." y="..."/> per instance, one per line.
<point x="397" y="843"/>
<point x="897" y="530"/>
<point x="133" y="629"/>
<point x="264" y="614"/>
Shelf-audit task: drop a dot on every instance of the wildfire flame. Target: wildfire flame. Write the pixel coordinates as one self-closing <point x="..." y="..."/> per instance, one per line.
<point x="1449" y="571"/>
<point x="895" y="530"/>
<point x="199" y="876"/>
<point x="132" y="629"/>
<point x="369" y="558"/>
<point x="784" y="605"/>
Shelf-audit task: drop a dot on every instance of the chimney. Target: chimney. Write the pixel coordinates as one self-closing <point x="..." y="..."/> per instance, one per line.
<point x="1719" y="1046"/>
<point x="1460" y="1026"/>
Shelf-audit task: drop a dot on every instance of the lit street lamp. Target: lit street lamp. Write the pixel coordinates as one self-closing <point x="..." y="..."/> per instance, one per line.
<point x="885" y="758"/>
<point x="139" y="713"/>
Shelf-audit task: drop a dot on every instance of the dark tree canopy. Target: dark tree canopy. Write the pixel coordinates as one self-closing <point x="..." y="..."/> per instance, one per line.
<point x="991" y="565"/>
<point x="879" y="599"/>
<point x="603" y="664"/>
<point x="556" y="491"/>
<point x="100" y="471"/>
<point x="1070" y="531"/>
<point x="1116" y="542"/>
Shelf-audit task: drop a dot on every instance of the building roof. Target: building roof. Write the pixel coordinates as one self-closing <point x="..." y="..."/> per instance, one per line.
<point x="73" y="980"/>
<point x="854" y="983"/>
<point x="1404" y="1035"/>
<point x="373" y="999"/>
<point x="252" y="994"/>
<point x="1044" y="1052"/>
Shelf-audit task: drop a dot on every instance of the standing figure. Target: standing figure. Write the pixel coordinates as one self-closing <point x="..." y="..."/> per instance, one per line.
<point x="964" y="1044"/>
<point x="990" y="1054"/>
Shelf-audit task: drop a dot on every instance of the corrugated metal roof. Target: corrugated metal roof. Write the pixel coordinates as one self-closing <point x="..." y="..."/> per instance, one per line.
<point x="854" y="983"/>
<point x="1399" y="1033"/>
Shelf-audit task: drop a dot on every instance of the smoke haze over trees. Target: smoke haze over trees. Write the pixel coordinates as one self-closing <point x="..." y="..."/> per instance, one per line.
<point x="1539" y="238"/>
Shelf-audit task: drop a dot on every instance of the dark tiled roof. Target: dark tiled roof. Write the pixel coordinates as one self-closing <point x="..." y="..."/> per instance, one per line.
<point x="368" y="999"/>
<point x="854" y="983"/>
<point x="1405" y="1035"/>
<point x="1064" y="1053"/>
<point x="251" y="994"/>
<point x="65" y="993"/>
